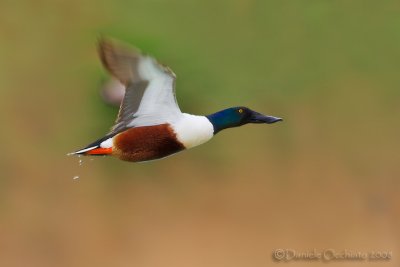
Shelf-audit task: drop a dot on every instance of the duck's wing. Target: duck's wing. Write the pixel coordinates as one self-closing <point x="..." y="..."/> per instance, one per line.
<point x="150" y="87"/>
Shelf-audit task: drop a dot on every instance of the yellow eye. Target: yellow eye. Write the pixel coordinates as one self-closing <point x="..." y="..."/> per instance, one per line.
<point x="240" y="110"/>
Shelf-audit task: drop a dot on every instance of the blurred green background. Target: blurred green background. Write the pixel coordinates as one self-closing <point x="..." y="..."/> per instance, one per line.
<point x="327" y="177"/>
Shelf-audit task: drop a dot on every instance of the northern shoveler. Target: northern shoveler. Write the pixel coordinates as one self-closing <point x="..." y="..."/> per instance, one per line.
<point x="150" y="124"/>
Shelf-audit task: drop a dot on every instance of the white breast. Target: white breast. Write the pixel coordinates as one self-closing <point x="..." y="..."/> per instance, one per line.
<point x="193" y="130"/>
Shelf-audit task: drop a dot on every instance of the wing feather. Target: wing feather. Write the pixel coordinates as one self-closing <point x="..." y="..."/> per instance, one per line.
<point x="150" y="87"/>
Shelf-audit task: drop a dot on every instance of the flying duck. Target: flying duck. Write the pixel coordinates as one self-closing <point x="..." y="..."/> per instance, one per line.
<point x="150" y="124"/>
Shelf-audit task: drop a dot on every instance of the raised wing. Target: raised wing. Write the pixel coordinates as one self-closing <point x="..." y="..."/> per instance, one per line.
<point x="150" y="87"/>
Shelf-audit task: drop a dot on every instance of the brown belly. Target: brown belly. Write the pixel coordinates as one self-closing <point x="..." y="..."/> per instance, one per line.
<point x="146" y="143"/>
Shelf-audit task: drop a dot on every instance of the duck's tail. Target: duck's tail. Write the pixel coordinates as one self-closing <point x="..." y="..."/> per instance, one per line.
<point x="93" y="151"/>
<point x="100" y="147"/>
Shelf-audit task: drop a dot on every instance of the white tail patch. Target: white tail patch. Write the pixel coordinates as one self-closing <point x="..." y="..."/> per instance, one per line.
<point x="107" y="143"/>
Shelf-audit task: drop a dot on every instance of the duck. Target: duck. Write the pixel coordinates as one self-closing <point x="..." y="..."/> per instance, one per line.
<point x="150" y="124"/>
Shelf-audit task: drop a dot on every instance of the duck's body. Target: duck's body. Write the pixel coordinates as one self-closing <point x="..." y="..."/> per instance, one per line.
<point x="150" y="124"/>
<point x="153" y="142"/>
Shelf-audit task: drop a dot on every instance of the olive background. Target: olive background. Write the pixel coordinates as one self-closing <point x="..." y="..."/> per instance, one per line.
<point x="325" y="178"/>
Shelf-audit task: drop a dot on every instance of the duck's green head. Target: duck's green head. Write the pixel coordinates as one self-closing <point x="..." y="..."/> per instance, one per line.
<point x="238" y="116"/>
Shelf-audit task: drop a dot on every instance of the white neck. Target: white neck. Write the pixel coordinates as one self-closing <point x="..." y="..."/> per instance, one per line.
<point x="192" y="130"/>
